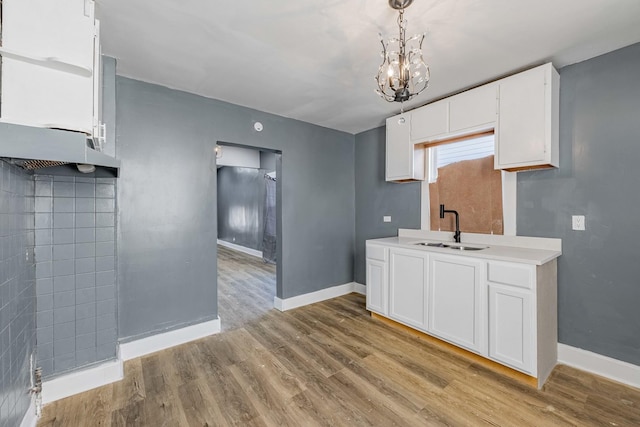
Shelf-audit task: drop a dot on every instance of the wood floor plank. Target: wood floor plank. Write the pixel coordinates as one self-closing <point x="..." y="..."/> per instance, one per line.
<point x="328" y="364"/>
<point x="131" y="415"/>
<point x="360" y="397"/>
<point x="414" y="386"/>
<point x="199" y="405"/>
<point x="154" y="376"/>
<point x="382" y="392"/>
<point x="95" y="410"/>
<point x="226" y="391"/>
<point x="270" y="397"/>
<point x="163" y="407"/>
<point x="319" y="410"/>
<point x="313" y="356"/>
<point x="216" y="351"/>
<point x="131" y="389"/>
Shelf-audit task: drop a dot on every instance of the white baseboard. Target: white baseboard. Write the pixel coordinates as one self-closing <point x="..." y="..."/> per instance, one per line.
<point x="317" y="296"/>
<point x="30" y="419"/>
<point x="80" y="381"/>
<point x="141" y="347"/>
<point x="239" y="248"/>
<point x="359" y="288"/>
<point x="598" y="364"/>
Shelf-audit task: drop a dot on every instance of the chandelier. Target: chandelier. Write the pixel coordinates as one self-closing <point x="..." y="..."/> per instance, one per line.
<point x="403" y="73"/>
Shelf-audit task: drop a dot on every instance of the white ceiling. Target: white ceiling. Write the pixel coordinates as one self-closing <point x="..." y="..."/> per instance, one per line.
<point x="314" y="60"/>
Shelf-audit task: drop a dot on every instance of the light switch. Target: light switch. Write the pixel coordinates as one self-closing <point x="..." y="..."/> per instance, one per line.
<point x="577" y="222"/>
<point x="386" y="218"/>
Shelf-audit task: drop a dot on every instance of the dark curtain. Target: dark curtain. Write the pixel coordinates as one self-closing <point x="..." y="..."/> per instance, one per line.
<point x="269" y="239"/>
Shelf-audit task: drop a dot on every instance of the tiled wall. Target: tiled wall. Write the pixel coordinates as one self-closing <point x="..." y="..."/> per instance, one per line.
<point x="17" y="292"/>
<point x="75" y="271"/>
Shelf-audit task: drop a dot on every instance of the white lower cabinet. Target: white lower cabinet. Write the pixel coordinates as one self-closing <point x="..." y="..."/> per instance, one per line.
<point x="408" y="287"/>
<point x="377" y="279"/>
<point x="377" y="286"/>
<point x="457" y="308"/>
<point x="510" y="326"/>
<point x="505" y="311"/>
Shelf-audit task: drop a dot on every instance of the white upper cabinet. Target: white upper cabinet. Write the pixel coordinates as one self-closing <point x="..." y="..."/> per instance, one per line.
<point x="48" y="64"/>
<point x="522" y="110"/>
<point x="527" y="133"/>
<point x="474" y="110"/>
<point x="404" y="161"/>
<point x="430" y="122"/>
<point x="468" y="112"/>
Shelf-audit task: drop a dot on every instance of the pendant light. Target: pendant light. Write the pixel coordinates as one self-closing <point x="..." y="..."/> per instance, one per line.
<point x="403" y="73"/>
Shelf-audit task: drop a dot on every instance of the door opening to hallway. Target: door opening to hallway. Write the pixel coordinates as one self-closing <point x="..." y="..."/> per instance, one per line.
<point x="247" y="237"/>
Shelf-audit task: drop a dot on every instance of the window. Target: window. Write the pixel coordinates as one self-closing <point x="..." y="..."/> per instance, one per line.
<point x="462" y="177"/>
<point x="470" y="149"/>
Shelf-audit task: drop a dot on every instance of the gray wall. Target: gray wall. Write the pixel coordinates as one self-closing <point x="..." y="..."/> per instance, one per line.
<point x="598" y="177"/>
<point x="75" y="267"/>
<point x="167" y="209"/>
<point x="241" y="194"/>
<point x="376" y="198"/>
<point x="17" y="292"/>
<point x="268" y="161"/>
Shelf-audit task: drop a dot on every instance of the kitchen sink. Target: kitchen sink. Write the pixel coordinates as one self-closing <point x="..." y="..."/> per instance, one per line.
<point x="455" y="246"/>
<point x="432" y="244"/>
<point x="467" y="248"/>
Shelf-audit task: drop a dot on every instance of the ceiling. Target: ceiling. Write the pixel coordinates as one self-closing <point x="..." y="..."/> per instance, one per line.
<point x="314" y="60"/>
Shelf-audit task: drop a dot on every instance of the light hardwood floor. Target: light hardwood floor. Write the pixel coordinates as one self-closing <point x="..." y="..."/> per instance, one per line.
<point x="331" y="364"/>
<point x="246" y="287"/>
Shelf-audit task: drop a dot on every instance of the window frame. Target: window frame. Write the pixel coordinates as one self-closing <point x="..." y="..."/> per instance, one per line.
<point x="509" y="189"/>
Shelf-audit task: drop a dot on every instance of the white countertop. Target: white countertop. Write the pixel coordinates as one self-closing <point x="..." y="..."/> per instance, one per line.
<point x="500" y="252"/>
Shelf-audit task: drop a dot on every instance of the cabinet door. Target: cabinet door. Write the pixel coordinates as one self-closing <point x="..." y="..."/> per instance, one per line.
<point x="377" y="289"/>
<point x="474" y="110"/>
<point x="430" y="121"/>
<point x="510" y="327"/>
<point x="48" y="81"/>
<point x="408" y="287"/>
<point x="456" y="296"/>
<point x="521" y="139"/>
<point x="403" y="160"/>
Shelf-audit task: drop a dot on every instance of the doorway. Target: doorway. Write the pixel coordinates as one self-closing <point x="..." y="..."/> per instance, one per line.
<point x="248" y="183"/>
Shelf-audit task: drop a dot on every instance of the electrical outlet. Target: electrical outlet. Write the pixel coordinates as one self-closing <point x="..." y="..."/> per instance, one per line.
<point x="386" y="218"/>
<point x="577" y="222"/>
